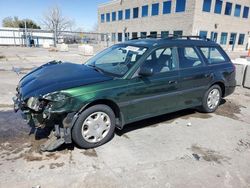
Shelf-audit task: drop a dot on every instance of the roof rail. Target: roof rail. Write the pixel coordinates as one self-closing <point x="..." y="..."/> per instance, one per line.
<point x="172" y="36"/>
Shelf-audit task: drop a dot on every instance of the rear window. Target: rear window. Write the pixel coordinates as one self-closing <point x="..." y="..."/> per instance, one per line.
<point x="189" y="58"/>
<point x="213" y="55"/>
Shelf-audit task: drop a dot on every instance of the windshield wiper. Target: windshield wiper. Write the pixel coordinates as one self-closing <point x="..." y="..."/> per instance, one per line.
<point x="96" y="68"/>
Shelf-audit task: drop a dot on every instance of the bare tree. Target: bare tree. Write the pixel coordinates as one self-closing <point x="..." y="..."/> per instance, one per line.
<point x="56" y="22"/>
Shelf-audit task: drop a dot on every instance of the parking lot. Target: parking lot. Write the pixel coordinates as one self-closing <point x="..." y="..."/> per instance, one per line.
<point x="182" y="149"/>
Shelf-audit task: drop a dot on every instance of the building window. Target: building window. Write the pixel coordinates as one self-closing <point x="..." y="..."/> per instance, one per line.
<point x="167" y="7"/>
<point x="218" y="6"/>
<point x="127" y="14"/>
<point x="203" y="34"/>
<point x="232" y="38"/>
<point x="228" y="9"/>
<point x="180" y="5"/>
<point x="214" y="36"/>
<point x="178" y="33"/>
<point x="223" y="39"/>
<point x="237" y="10"/>
<point x="155" y="9"/>
<point x="126" y="36"/>
<point x="113" y="16"/>
<point x="120" y="15"/>
<point x="245" y="12"/>
<point x="119" y="37"/>
<point x="144" y="12"/>
<point x="102" y="37"/>
<point x="113" y="37"/>
<point x="135" y="12"/>
<point x="143" y="35"/>
<point x="207" y="5"/>
<point x="241" y="39"/>
<point x="134" y="35"/>
<point x="108" y="17"/>
<point x="102" y="18"/>
<point x="164" y="34"/>
<point x="153" y="34"/>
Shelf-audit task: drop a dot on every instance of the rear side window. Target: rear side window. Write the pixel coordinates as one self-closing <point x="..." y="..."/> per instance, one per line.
<point x="213" y="55"/>
<point x="189" y="58"/>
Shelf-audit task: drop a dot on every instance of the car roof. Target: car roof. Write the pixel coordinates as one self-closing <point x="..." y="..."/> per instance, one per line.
<point x="154" y="42"/>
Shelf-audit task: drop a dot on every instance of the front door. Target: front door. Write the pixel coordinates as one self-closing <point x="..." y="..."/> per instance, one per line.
<point x="156" y="94"/>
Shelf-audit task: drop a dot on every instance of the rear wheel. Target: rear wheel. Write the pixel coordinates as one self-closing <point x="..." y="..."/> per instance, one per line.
<point x="94" y="127"/>
<point x="211" y="100"/>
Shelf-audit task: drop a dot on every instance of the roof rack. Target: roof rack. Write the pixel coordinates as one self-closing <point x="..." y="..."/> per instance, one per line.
<point x="172" y="36"/>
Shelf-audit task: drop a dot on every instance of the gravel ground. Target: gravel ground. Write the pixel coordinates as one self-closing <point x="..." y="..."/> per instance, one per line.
<point x="181" y="149"/>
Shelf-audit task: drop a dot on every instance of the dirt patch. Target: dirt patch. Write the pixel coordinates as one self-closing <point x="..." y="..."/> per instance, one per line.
<point x="243" y="145"/>
<point x="229" y="109"/>
<point x="90" y="153"/>
<point x="208" y="155"/>
<point x="2" y="57"/>
<point x="126" y="136"/>
<point x="56" y="165"/>
<point x="41" y="167"/>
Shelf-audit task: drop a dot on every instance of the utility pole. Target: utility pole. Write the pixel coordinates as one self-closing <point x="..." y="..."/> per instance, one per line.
<point x="26" y="37"/>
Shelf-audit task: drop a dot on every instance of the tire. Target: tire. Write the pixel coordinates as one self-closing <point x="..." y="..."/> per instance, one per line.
<point x="94" y="127"/>
<point x="209" y="107"/>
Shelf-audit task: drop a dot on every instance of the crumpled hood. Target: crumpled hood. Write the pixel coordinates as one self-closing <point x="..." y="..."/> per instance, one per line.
<point x="56" y="76"/>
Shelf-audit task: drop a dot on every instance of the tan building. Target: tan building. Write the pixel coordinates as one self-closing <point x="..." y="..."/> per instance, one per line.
<point x="224" y="21"/>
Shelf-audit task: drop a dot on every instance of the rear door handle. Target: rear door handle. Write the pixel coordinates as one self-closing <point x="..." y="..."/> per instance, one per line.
<point x="172" y="82"/>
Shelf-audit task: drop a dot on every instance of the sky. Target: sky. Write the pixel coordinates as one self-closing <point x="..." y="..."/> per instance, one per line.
<point x="83" y="12"/>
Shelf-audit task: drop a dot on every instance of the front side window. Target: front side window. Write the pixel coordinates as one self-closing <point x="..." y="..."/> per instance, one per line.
<point x="223" y="38"/>
<point x="245" y="12"/>
<point x="155" y="9"/>
<point x="180" y="6"/>
<point x="207" y="5"/>
<point x="116" y="60"/>
<point x="144" y="12"/>
<point x="237" y="10"/>
<point x="218" y="6"/>
<point x="135" y="12"/>
<point x="213" y="55"/>
<point x="167" y="7"/>
<point x="241" y="39"/>
<point x="188" y="58"/>
<point x="228" y="9"/>
<point x="127" y="14"/>
<point x="120" y="15"/>
<point x="162" y="60"/>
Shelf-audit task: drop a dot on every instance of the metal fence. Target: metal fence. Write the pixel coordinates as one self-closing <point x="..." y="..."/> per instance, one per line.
<point x="38" y="37"/>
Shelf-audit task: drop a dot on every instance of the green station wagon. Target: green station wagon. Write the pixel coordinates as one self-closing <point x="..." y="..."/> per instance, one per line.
<point x="127" y="82"/>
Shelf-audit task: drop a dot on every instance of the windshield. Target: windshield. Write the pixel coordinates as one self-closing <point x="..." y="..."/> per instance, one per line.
<point x="116" y="60"/>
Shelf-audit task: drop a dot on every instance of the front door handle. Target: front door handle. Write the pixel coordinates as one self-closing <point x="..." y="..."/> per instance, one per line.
<point x="208" y="75"/>
<point x="172" y="82"/>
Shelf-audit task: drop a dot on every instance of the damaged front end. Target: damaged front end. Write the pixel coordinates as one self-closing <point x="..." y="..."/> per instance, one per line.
<point x="51" y="111"/>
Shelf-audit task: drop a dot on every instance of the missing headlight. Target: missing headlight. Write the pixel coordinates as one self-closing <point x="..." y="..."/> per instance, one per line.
<point x="35" y="104"/>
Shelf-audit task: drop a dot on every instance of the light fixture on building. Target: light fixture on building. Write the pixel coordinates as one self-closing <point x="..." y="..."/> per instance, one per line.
<point x="216" y="26"/>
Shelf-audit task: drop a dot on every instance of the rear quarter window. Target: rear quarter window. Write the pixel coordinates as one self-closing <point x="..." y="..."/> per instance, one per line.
<point x="213" y="55"/>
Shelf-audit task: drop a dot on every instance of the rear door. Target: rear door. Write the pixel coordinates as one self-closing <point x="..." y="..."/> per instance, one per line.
<point x="157" y="94"/>
<point x="195" y="76"/>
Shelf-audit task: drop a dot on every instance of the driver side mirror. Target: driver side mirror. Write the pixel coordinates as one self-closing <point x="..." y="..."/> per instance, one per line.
<point x="145" y="71"/>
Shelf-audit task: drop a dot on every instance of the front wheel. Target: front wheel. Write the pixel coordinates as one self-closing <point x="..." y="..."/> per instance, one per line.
<point x="94" y="127"/>
<point x="211" y="100"/>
